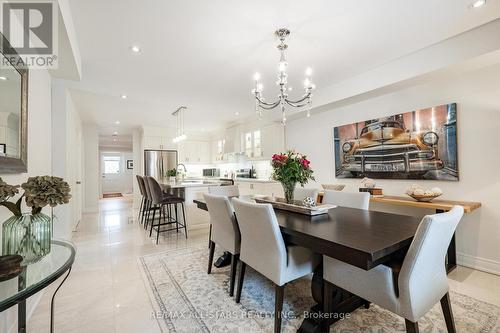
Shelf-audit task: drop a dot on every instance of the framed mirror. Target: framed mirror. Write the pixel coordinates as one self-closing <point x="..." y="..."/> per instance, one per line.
<point x="13" y="112"/>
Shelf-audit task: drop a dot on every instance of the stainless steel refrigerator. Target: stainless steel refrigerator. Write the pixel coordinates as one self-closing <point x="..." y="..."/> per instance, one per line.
<point x="158" y="162"/>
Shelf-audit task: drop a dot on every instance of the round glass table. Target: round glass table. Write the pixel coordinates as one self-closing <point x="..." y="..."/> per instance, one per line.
<point x="36" y="277"/>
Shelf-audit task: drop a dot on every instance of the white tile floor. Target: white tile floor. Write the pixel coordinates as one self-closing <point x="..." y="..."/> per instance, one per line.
<point x="105" y="292"/>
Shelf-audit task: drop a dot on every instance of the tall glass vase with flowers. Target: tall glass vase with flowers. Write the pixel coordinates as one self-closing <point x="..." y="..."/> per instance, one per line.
<point x="29" y="234"/>
<point x="289" y="169"/>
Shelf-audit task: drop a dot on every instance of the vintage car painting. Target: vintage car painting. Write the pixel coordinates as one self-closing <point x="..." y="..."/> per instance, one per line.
<point x="414" y="145"/>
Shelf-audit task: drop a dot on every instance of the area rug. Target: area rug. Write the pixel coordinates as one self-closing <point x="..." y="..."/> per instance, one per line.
<point x="186" y="299"/>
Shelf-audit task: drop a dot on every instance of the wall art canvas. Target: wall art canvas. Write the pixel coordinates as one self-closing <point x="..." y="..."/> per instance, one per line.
<point x="420" y="144"/>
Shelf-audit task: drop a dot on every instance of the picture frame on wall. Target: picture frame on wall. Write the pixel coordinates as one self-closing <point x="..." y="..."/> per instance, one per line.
<point x="420" y="144"/>
<point x="130" y="164"/>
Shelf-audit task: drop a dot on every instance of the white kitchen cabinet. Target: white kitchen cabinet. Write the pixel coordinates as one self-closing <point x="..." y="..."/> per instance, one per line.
<point x="232" y="139"/>
<point x="194" y="152"/>
<point x="248" y="187"/>
<point x="273" y="140"/>
<point x="159" y="143"/>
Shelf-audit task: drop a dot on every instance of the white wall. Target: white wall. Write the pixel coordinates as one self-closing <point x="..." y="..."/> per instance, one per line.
<point x="91" y="178"/>
<point x="477" y="94"/>
<point x="67" y="157"/>
<point x="137" y="154"/>
<point x="39" y="156"/>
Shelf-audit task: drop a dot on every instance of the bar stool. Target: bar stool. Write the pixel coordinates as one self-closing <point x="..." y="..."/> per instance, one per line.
<point x="160" y="201"/>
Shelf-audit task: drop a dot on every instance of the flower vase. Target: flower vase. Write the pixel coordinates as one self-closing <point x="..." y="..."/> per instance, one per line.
<point x="289" y="189"/>
<point x="27" y="235"/>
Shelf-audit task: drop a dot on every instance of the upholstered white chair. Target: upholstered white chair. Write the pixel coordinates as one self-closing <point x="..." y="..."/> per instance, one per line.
<point x="301" y="193"/>
<point x="225" y="232"/>
<point x="421" y="282"/>
<point x="360" y="200"/>
<point x="228" y="191"/>
<point x="263" y="249"/>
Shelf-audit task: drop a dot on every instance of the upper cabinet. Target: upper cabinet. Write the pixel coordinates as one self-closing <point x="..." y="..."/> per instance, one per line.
<point x="194" y="152"/>
<point x="159" y="143"/>
<point x="232" y="140"/>
<point x="263" y="142"/>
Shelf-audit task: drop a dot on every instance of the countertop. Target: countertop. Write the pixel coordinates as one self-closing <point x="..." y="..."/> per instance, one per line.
<point x="255" y="180"/>
<point x="189" y="183"/>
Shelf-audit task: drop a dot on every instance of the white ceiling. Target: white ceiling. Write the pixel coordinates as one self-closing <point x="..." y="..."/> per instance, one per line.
<point x="203" y="54"/>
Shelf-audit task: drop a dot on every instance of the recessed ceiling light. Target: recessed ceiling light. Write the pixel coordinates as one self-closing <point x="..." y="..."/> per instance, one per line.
<point x="114" y="140"/>
<point x="115" y="133"/>
<point x="135" y="49"/>
<point x="3" y="78"/>
<point x="478" y="3"/>
<point x="236" y="113"/>
<point x="117" y="122"/>
<point x="124" y="96"/>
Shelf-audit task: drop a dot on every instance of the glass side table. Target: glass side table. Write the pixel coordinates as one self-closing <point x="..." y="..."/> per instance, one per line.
<point x="36" y="277"/>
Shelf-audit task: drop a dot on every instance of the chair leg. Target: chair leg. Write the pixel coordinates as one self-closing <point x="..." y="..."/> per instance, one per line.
<point x="234" y="263"/>
<point x="209" y="235"/>
<point x="176" y="217"/>
<point x="240" y="281"/>
<point x="411" y="327"/>
<point x="159" y="222"/>
<point x="185" y="221"/>
<point x="278" y="307"/>
<point x="327" y="305"/>
<point x="448" y="313"/>
<point x="211" y="257"/>
<point x="152" y="221"/>
<point x="140" y="211"/>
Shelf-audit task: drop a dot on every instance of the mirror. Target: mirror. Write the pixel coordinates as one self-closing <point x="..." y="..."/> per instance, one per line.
<point x="13" y="113"/>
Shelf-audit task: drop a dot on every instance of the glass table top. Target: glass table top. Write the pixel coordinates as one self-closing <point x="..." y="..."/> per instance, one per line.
<point x="38" y="275"/>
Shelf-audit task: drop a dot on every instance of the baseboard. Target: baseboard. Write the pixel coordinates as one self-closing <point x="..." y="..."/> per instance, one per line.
<point x="481" y="264"/>
<point x="198" y="226"/>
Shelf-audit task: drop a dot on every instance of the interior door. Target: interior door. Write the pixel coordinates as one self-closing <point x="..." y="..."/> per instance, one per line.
<point x="111" y="169"/>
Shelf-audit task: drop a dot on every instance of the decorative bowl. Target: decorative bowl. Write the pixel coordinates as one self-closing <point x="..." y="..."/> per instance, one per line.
<point x="424" y="198"/>
<point x="333" y="187"/>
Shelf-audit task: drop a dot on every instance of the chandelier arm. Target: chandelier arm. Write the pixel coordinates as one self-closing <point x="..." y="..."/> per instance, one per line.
<point x="297" y="105"/>
<point x="304" y="98"/>
<point x="270" y="106"/>
<point x="262" y="103"/>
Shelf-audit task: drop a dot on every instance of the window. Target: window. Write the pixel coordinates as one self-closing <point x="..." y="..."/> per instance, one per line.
<point x="112" y="164"/>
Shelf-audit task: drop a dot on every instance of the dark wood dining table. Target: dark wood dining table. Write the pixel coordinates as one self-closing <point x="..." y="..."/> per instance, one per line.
<point x="358" y="237"/>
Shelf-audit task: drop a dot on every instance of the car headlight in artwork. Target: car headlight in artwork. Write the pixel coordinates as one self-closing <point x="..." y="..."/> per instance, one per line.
<point x="430" y="138"/>
<point x="346" y="147"/>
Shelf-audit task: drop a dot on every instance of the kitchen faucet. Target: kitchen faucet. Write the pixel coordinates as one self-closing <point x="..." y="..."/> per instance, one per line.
<point x="185" y="169"/>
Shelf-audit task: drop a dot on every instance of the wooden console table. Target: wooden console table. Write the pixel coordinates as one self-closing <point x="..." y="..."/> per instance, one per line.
<point x="439" y="206"/>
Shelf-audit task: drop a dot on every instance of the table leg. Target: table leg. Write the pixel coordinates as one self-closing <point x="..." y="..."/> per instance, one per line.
<point x="52" y="302"/>
<point x="341" y="304"/>
<point x="21" y="307"/>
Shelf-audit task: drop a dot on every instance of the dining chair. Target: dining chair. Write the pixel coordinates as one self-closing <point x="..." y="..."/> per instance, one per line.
<point x="149" y="206"/>
<point x="225" y="190"/>
<point x="160" y="201"/>
<point x="420" y="283"/>
<point x="263" y="249"/>
<point x="225" y="232"/>
<point x="360" y="200"/>
<point x="301" y="193"/>
<point x="142" y="190"/>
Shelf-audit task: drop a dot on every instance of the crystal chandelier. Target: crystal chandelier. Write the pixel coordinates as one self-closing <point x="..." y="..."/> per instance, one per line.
<point x="181" y="134"/>
<point x="305" y="101"/>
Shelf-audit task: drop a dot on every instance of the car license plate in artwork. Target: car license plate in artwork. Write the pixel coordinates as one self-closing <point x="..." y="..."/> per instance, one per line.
<point x="382" y="168"/>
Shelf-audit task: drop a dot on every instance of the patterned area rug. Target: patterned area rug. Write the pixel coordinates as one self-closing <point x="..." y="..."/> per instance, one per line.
<point x="186" y="299"/>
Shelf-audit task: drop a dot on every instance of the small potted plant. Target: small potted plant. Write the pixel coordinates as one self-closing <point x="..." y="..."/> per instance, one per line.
<point x="172" y="174"/>
<point x="289" y="169"/>
<point x="29" y="234"/>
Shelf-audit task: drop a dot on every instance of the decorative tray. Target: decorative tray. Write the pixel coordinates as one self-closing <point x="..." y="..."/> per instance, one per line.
<point x="296" y="207"/>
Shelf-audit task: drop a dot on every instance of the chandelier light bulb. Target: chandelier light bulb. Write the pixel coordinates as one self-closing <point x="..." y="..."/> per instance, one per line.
<point x="282" y="66"/>
<point x="309" y="71"/>
<point x="256" y="76"/>
<point x="307" y="83"/>
<point x="308" y="115"/>
<point x="260" y="87"/>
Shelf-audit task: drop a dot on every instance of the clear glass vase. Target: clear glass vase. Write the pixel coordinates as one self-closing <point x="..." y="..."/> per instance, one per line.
<point x="289" y="189"/>
<point x="27" y="235"/>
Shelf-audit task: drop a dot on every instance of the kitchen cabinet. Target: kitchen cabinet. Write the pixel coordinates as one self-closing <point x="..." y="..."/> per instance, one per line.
<point x="159" y="143"/>
<point x="273" y="140"/>
<point x="232" y="139"/>
<point x="193" y="152"/>
<point x="248" y="187"/>
<point x="218" y="154"/>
